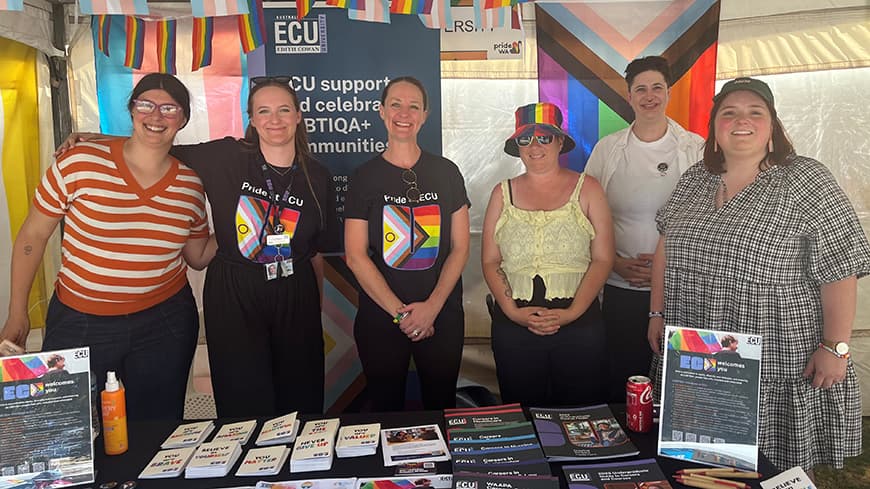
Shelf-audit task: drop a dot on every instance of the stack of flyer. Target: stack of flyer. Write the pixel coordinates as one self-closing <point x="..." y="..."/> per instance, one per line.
<point x="587" y="433"/>
<point x="167" y="463"/>
<point x="635" y="473"/>
<point x="279" y="431"/>
<point x="237" y="432"/>
<point x="358" y="440"/>
<point x="213" y="460"/>
<point x="314" y="447"/>
<point x="263" y="461"/>
<point x="189" y="435"/>
<point x="346" y="483"/>
<point x="496" y="442"/>
<point x="422" y="443"/>
<point x="440" y="481"/>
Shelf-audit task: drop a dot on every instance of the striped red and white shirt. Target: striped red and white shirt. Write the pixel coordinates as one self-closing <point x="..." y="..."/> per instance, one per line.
<point x="121" y="247"/>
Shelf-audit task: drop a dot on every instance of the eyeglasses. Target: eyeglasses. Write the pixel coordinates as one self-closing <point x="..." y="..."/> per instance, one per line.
<point x="527" y="140"/>
<point x="170" y="111"/>
<point x="281" y="80"/>
<point x="410" y="178"/>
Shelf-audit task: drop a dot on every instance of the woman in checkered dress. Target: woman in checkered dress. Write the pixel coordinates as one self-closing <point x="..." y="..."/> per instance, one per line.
<point x="757" y="240"/>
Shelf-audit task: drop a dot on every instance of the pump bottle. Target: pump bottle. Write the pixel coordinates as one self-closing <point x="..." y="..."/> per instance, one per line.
<point x="114" y="416"/>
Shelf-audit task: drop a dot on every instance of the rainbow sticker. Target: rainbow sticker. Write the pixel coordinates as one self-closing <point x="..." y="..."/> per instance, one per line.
<point x="412" y="236"/>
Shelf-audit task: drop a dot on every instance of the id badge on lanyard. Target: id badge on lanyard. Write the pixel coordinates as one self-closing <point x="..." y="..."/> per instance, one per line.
<point x="282" y="266"/>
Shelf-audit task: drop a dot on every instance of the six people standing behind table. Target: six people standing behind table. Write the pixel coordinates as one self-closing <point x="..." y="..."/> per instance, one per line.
<point x="547" y="250"/>
<point x="638" y="167"/>
<point x="406" y="241"/>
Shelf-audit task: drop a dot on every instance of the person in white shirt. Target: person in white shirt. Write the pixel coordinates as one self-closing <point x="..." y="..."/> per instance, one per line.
<point x="638" y="167"/>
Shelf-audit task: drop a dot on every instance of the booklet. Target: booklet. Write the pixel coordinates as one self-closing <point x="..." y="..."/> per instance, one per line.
<point x="263" y="461"/>
<point x="167" y="463"/>
<point x="46" y="419"/>
<point x="278" y="431"/>
<point x="587" y="433"/>
<point x="422" y="443"/>
<point x="483" y="417"/>
<point x="237" y="432"/>
<point x="213" y="460"/>
<point x="358" y="440"/>
<point x="345" y="483"/>
<point x="440" y="481"/>
<point x="190" y="434"/>
<point x="644" y="474"/>
<point x="710" y="395"/>
<point x="793" y="478"/>
<point x="314" y="447"/>
<point x="472" y="480"/>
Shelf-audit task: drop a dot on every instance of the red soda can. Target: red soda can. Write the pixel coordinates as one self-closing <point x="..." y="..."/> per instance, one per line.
<point x="638" y="403"/>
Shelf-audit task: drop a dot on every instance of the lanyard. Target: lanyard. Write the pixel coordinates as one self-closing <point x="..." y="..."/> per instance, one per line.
<point x="273" y="219"/>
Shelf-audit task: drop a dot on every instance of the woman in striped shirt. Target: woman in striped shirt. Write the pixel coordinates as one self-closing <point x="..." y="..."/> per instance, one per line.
<point x="132" y="216"/>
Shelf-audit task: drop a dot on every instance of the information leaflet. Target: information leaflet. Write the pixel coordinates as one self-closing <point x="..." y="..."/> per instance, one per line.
<point x="710" y="393"/>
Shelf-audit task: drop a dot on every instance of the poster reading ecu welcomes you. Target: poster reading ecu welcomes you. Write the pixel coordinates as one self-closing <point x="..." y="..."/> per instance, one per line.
<point x="339" y="67"/>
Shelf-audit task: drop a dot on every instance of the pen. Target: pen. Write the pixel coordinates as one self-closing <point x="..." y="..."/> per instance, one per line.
<point x="723" y="482"/>
<point x="689" y="481"/>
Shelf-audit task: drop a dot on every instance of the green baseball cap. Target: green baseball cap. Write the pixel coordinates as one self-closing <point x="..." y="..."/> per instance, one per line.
<point x="745" y="83"/>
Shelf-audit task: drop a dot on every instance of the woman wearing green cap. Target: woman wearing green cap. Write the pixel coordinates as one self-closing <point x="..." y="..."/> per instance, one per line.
<point x="547" y="251"/>
<point x="758" y="240"/>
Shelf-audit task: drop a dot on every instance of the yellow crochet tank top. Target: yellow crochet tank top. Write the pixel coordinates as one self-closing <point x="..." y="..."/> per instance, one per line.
<point x="553" y="244"/>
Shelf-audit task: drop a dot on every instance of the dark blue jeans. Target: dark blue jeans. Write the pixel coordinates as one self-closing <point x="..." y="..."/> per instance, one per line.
<point x="150" y="350"/>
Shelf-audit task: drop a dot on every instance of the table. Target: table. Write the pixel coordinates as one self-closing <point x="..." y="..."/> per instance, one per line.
<point x="146" y="437"/>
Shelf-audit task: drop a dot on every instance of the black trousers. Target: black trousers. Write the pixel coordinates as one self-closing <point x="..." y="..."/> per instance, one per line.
<point x="566" y="368"/>
<point x="385" y="353"/>
<point x="265" y="340"/>
<point x="625" y="314"/>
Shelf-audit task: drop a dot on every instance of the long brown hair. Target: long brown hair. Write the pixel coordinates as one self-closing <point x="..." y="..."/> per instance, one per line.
<point x="782" y="153"/>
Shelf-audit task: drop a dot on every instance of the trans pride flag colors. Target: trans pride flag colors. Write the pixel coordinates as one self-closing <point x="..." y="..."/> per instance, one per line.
<point x="583" y="49"/>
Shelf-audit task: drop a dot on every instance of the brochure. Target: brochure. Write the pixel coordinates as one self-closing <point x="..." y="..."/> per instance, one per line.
<point x="358" y="440"/>
<point x="471" y="480"/>
<point x="346" y="483"/>
<point x="489" y="416"/>
<point x="167" y="463"/>
<point x="190" y="434"/>
<point x="45" y="419"/>
<point x="636" y="474"/>
<point x="710" y="395"/>
<point x="793" y="478"/>
<point x="263" y="461"/>
<point x="587" y="433"/>
<point x="213" y="460"/>
<point x="278" y="431"/>
<point x="413" y="444"/>
<point x="237" y="432"/>
<point x="441" y="481"/>
<point x="314" y="447"/>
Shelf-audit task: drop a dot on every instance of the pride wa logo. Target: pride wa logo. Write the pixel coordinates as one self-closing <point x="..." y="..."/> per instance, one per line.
<point x="294" y="36"/>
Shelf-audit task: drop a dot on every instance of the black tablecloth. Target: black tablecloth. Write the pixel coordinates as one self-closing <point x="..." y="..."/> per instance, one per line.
<point x="146" y="437"/>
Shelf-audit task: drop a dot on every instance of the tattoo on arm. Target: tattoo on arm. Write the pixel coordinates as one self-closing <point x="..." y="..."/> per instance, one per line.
<point x="28" y="249"/>
<point x="507" y="286"/>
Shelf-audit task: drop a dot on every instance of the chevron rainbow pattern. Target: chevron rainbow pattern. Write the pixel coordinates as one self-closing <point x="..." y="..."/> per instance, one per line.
<point x="250" y="215"/>
<point x="412" y="236"/>
<point x="584" y="47"/>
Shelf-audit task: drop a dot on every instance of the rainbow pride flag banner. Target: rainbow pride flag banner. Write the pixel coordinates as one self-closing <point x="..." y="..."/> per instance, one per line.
<point x="411" y="6"/>
<point x="12" y="5"/>
<point x="218" y="8"/>
<point x="369" y="10"/>
<point x="490" y="18"/>
<point x="583" y="49"/>
<point x="337" y="3"/>
<point x="439" y="16"/>
<point x="166" y="46"/>
<point x="203" y="32"/>
<point x="252" y="27"/>
<point x="123" y="7"/>
<point x="303" y="7"/>
<point x="101" y="25"/>
<point x="135" y="48"/>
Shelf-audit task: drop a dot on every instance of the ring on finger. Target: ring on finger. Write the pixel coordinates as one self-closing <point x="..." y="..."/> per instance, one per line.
<point x="416" y="333"/>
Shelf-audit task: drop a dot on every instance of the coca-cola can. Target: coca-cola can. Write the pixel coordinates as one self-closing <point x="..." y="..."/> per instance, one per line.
<point x="638" y="403"/>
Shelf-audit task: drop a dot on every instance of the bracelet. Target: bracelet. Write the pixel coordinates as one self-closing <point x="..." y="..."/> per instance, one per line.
<point x="656" y="314"/>
<point x="833" y="351"/>
<point x="400" y="316"/>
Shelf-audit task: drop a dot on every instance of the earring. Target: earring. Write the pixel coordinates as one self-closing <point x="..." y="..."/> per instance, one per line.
<point x="770" y="145"/>
<point x="715" y="146"/>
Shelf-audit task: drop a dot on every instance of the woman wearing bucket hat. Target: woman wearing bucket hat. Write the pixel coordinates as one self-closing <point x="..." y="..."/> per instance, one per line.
<point x="758" y="240"/>
<point x="547" y="250"/>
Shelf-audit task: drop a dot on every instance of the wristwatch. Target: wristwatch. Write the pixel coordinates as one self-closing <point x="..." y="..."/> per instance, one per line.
<point x="838" y="348"/>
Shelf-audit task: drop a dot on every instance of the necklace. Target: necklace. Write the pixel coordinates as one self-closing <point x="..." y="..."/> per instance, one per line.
<point x="283" y="171"/>
<point x="724" y="191"/>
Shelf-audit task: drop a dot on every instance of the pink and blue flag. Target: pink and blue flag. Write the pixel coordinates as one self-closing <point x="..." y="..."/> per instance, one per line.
<point x="218" y="8"/>
<point x="124" y="7"/>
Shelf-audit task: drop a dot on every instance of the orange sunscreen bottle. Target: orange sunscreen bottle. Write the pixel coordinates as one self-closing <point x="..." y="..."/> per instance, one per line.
<point x="114" y="416"/>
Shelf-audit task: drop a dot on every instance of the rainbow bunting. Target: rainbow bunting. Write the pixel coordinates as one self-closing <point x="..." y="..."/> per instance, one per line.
<point x="487" y="4"/>
<point x="439" y="16"/>
<point x="252" y="27"/>
<point x="218" y="8"/>
<point x="203" y="31"/>
<point x="101" y="27"/>
<point x="369" y="10"/>
<point x="166" y="46"/>
<point x="490" y="18"/>
<point x="411" y="6"/>
<point x="337" y="3"/>
<point x="302" y="8"/>
<point x="123" y="7"/>
<point x="11" y="4"/>
<point x="135" y="42"/>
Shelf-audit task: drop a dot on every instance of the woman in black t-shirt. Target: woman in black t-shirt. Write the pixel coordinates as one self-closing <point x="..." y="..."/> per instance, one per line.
<point x="406" y="239"/>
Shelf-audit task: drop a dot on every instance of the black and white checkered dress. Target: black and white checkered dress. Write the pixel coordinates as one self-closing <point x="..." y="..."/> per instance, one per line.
<point x="755" y="266"/>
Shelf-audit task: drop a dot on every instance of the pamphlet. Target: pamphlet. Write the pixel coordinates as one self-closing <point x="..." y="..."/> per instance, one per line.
<point x="473" y="480"/>
<point x="710" y="395"/>
<point x="413" y="444"/>
<point x="346" y="483"/>
<point x="314" y="447"/>
<point x="213" y="460"/>
<point x="263" y="461"/>
<point x="793" y="478"/>
<point x="635" y="474"/>
<point x="167" y="463"/>
<point x="45" y="419"/>
<point x="489" y="416"/>
<point x="441" y="481"/>
<point x="237" y="432"/>
<point x="358" y="440"/>
<point x="190" y="434"/>
<point x="587" y="433"/>
<point x="279" y="431"/>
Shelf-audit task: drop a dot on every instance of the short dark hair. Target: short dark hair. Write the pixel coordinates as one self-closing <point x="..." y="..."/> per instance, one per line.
<point x="407" y="79"/>
<point x="714" y="159"/>
<point x="167" y="83"/>
<point x="53" y="360"/>
<point x="727" y="340"/>
<point x="648" y="63"/>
